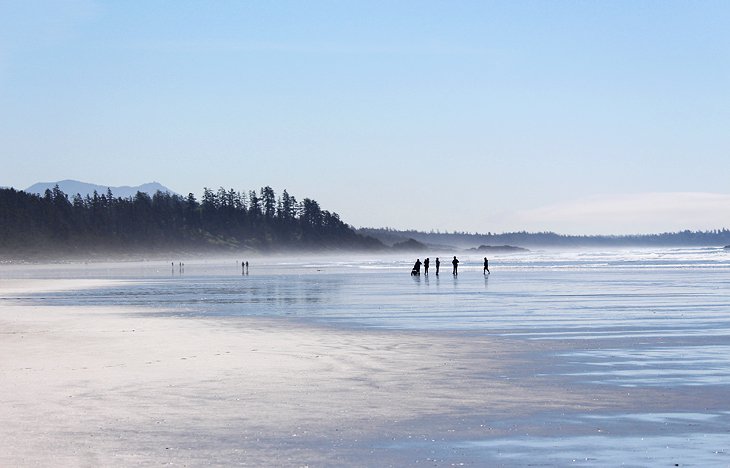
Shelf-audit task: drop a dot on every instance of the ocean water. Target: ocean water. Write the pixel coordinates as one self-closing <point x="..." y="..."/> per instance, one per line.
<point x="614" y="319"/>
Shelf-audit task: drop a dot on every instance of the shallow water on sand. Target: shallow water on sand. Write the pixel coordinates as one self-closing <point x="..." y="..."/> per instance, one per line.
<point x="630" y="440"/>
<point x="630" y="319"/>
<point x="548" y="296"/>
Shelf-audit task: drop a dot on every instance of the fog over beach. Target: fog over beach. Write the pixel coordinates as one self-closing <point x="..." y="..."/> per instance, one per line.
<point x="590" y="359"/>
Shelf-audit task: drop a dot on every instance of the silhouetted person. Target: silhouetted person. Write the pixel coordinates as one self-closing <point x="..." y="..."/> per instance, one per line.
<point x="438" y="264"/>
<point x="486" y="266"/>
<point x="243" y="268"/>
<point x="416" y="271"/>
<point x="246" y="267"/>
<point x="455" y="262"/>
<point x="425" y="266"/>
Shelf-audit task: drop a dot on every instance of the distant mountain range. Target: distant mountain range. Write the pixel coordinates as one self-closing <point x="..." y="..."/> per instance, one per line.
<point x="72" y="187"/>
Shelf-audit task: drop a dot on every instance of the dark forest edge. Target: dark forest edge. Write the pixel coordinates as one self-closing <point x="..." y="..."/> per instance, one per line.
<point x="54" y="225"/>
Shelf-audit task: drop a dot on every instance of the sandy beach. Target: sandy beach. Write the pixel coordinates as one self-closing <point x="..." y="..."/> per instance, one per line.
<point x="119" y="386"/>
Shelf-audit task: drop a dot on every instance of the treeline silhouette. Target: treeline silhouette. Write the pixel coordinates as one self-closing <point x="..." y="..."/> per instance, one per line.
<point x="221" y="220"/>
<point x="712" y="238"/>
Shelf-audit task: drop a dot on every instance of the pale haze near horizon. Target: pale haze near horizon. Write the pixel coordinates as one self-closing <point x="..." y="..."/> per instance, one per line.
<point x="574" y="117"/>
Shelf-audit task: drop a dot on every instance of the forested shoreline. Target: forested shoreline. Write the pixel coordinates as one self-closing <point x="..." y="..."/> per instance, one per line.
<point x="56" y="224"/>
<point x="463" y="240"/>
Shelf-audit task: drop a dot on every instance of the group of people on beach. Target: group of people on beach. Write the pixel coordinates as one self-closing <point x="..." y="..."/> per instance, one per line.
<point x="416" y="271"/>
<point x="244" y="267"/>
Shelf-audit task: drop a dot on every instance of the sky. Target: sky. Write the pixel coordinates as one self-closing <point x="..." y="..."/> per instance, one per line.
<point x="578" y="117"/>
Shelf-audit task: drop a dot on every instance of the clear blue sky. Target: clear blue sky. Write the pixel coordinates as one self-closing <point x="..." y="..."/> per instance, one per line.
<point x="572" y="116"/>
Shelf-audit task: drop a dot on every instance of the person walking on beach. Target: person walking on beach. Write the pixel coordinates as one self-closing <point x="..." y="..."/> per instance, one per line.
<point x="425" y="266"/>
<point x="438" y="264"/>
<point x="455" y="262"/>
<point x="486" y="266"/>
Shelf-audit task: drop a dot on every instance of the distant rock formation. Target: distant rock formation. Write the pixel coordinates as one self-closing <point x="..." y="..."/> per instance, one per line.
<point x="72" y="187"/>
<point x="498" y="248"/>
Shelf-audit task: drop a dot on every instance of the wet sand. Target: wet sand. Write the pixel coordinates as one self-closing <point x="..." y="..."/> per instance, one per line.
<point x="113" y="386"/>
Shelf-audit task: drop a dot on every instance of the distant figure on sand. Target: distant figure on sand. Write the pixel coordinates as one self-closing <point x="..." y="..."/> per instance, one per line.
<point x="246" y="267"/>
<point x="425" y="266"/>
<point x="416" y="271"/>
<point x="455" y="262"/>
<point x="486" y="266"/>
<point x="438" y="264"/>
<point x="243" y="268"/>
